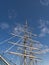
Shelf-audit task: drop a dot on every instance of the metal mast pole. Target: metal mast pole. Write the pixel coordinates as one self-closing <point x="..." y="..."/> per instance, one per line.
<point x="25" y="39"/>
<point x="31" y="59"/>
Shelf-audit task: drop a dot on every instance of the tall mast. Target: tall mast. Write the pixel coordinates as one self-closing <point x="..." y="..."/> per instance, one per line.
<point x="25" y="40"/>
<point x="27" y="49"/>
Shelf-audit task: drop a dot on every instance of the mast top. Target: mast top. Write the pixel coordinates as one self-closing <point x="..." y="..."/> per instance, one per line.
<point x="26" y="22"/>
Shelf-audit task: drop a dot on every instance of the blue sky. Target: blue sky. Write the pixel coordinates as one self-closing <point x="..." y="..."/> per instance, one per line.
<point x="36" y="12"/>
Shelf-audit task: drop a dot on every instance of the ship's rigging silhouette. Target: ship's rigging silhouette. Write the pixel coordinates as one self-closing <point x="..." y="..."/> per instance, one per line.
<point x="25" y="46"/>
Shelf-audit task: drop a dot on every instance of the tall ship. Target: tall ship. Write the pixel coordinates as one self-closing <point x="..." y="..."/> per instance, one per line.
<point x="23" y="49"/>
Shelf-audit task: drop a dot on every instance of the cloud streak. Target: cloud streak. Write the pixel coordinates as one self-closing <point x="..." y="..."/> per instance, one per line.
<point x="12" y="14"/>
<point x="4" y="25"/>
<point x="44" y="27"/>
<point x="43" y="49"/>
<point x="44" y="2"/>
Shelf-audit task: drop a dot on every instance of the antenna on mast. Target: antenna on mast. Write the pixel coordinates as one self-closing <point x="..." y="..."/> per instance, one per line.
<point x="26" y="22"/>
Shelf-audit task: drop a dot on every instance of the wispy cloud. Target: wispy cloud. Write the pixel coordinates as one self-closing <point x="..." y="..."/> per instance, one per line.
<point x="17" y="29"/>
<point x="44" y="2"/>
<point x="44" y="31"/>
<point x="4" y="25"/>
<point x="43" y="49"/>
<point x="12" y="14"/>
<point x="44" y="27"/>
<point x="38" y="45"/>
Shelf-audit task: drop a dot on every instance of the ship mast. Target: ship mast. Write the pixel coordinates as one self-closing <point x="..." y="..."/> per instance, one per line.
<point x="26" y="37"/>
<point x="25" y="40"/>
<point x="25" y="44"/>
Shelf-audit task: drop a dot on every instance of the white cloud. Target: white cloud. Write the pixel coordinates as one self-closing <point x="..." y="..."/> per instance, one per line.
<point x="44" y="31"/>
<point x="46" y="46"/>
<point x="42" y="23"/>
<point x="4" y="25"/>
<point x="44" y="2"/>
<point x="12" y="14"/>
<point x="17" y="29"/>
<point x="44" y="27"/>
<point x="44" y="51"/>
<point x="38" y="45"/>
<point x="41" y="35"/>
